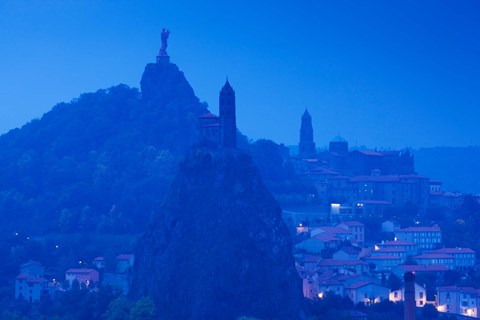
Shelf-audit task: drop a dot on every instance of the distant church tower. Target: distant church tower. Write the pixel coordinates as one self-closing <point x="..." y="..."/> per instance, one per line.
<point x="228" y="122"/>
<point x="306" y="147"/>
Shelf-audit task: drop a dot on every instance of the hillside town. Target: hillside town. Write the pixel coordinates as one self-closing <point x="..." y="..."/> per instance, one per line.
<point x="333" y="252"/>
<point x="335" y="255"/>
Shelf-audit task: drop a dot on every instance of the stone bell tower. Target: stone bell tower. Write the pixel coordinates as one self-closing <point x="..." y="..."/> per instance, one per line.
<point x="228" y="121"/>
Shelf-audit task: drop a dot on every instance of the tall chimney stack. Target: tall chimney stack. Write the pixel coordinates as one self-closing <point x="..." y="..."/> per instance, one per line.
<point x="409" y="280"/>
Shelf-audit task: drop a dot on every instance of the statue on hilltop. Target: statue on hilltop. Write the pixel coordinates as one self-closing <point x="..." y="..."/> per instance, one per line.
<point x="163" y="55"/>
<point x="164" y="37"/>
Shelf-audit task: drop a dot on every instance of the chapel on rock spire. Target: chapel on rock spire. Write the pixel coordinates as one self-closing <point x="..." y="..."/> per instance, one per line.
<point x="220" y="132"/>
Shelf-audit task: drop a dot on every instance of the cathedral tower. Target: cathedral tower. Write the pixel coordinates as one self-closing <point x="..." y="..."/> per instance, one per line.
<point x="306" y="147"/>
<point x="228" y="122"/>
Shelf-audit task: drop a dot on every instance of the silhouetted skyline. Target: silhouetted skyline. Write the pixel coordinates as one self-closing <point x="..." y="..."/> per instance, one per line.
<point x="379" y="74"/>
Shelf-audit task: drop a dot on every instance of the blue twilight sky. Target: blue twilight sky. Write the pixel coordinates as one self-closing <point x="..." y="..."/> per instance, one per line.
<point x="381" y="73"/>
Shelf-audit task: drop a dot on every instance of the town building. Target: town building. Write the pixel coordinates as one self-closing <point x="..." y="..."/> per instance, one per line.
<point x="437" y="270"/>
<point x="307" y="262"/>
<point x="341" y="233"/>
<point x="343" y="266"/>
<point x="357" y="229"/>
<point x="369" y="181"/>
<point x="462" y="301"/>
<point x="383" y="263"/>
<point x="317" y="244"/>
<point x="125" y="263"/>
<point x="347" y="253"/>
<point x="463" y="258"/>
<point x="429" y="259"/>
<point x="30" y="284"/>
<point x="390" y="226"/>
<point x="99" y="263"/>
<point x="367" y="293"/>
<point x="426" y="238"/>
<point x="401" y="253"/>
<point x="30" y="288"/>
<point x="83" y="276"/>
<point x="410" y="248"/>
<point x="420" y="295"/>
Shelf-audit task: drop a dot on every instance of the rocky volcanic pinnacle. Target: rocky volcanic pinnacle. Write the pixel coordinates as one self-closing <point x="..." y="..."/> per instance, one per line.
<point x="218" y="248"/>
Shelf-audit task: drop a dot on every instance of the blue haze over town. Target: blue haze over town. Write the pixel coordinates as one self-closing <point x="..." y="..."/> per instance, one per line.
<point x="250" y="160"/>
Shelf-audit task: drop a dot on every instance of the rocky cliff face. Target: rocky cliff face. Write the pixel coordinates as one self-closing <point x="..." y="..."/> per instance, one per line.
<point x="166" y="91"/>
<point x="218" y="248"/>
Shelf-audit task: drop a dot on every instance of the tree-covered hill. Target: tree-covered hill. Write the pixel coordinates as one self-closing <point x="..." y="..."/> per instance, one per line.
<point x="101" y="162"/>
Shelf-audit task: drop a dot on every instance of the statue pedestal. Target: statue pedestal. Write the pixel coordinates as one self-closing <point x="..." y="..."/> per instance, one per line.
<point x="163" y="59"/>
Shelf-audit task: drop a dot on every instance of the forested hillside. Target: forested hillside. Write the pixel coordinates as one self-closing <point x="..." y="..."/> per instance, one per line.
<point x="101" y="162"/>
<point x="104" y="161"/>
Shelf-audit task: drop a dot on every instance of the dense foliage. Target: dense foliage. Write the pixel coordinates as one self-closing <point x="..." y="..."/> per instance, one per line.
<point x="99" y="163"/>
<point x="81" y="304"/>
<point x="85" y="166"/>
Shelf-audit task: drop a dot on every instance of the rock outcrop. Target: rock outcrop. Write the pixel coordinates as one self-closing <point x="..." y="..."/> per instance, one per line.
<point x="166" y="91"/>
<point x="218" y="248"/>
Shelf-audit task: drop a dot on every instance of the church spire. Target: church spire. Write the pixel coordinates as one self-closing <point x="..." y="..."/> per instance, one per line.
<point x="306" y="146"/>
<point x="228" y="125"/>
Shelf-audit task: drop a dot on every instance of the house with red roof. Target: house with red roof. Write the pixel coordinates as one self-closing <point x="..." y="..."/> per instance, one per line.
<point x="340" y="233"/>
<point x="318" y="284"/>
<point x="317" y="244"/>
<point x="83" y="276"/>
